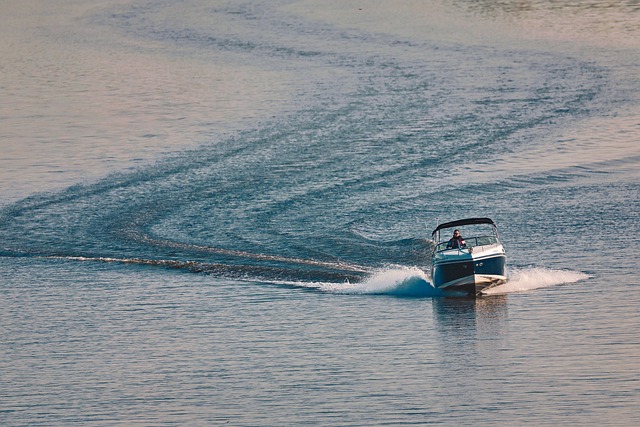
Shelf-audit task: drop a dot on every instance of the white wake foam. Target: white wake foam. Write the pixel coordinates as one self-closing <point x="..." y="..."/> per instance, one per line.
<point x="398" y="281"/>
<point x="414" y="282"/>
<point x="525" y="279"/>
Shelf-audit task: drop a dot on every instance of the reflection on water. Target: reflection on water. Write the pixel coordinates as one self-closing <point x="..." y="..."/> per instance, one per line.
<point x="471" y="320"/>
<point x="471" y="313"/>
<point x="473" y="337"/>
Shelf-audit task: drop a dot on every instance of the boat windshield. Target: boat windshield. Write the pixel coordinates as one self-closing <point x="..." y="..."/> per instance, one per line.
<point x="470" y="242"/>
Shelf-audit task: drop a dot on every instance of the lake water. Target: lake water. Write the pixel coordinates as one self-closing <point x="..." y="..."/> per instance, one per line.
<point x="217" y="213"/>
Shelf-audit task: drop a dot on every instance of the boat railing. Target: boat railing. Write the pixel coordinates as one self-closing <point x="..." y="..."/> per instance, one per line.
<point x="469" y="243"/>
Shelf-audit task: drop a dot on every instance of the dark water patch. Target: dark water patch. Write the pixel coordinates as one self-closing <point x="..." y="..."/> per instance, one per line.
<point x="251" y="273"/>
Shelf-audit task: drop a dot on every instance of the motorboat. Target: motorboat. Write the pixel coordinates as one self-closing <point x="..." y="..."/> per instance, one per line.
<point x="468" y="264"/>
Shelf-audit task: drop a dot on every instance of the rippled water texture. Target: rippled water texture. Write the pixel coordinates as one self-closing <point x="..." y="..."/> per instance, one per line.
<point x="218" y="212"/>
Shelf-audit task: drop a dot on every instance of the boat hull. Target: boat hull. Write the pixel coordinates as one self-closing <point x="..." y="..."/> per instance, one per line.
<point x="469" y="275"/>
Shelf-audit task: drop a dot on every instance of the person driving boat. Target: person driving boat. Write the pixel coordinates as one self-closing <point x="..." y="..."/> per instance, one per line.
<point x="456" y="241"/>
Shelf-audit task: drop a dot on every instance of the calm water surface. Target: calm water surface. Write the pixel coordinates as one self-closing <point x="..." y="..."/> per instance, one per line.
<point x="216" y="213"/>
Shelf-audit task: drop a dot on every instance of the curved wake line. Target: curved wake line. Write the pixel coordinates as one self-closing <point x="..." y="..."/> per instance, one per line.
<point x="139" y="261"/>
<point x="243" y="272"/>
<point x="243" y="254"/>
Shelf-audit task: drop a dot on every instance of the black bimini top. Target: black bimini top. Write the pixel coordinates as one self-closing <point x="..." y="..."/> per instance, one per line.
<point x="460" y="222"/>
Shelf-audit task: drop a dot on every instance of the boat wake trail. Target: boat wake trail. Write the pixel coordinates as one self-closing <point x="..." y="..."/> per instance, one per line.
<point x="526" y="279"/>
<point x="414" y="282"/>
<point x="396" y="281"/>
<point x="241" y="272"/>
<point x="407" y="281"/>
